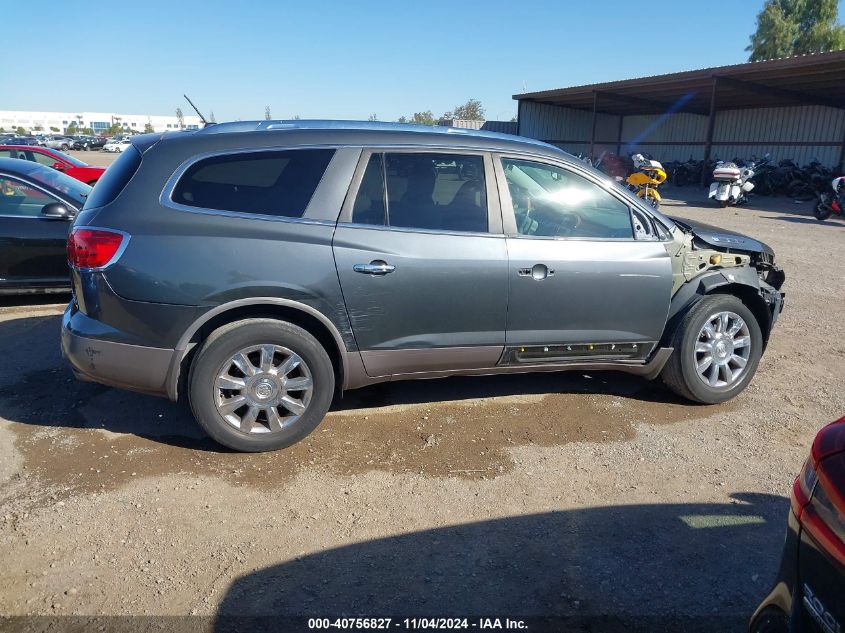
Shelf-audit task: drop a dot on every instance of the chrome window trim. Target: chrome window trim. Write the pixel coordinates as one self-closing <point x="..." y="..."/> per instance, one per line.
<point x="166" y="196"/>
<point x="120" y="250"/>
<point x="403" y="229"/>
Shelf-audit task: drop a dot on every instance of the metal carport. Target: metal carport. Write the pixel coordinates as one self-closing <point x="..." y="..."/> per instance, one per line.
<point x="784" y="106"/>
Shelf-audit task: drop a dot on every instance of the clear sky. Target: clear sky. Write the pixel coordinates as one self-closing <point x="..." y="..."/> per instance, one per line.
<point x="347" y="59"/>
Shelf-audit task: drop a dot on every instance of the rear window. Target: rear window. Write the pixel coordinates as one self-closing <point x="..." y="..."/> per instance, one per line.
<point x="278" y="183"/>
<point x="112" y="182"/>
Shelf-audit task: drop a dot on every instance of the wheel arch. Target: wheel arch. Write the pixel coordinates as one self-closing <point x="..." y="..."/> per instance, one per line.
<point x="743" y="285"/>
<point x="308" y="318"/>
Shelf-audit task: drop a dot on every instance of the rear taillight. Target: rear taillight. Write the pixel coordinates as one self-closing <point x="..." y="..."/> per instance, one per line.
<point x="94" y="248"/>
<point x="819" y="501"/>
<point x="802" y="490"/>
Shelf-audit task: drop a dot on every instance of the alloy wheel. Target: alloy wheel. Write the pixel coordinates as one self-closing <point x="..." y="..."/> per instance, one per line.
<point x="722" y="349"/>
<point x="263" y="389"/>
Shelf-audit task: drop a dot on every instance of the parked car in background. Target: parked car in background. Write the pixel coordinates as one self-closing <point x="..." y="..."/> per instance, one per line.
<point x="63" y="143"/>
<point x="117" y="145"/>
<point x="73" y="167"/>
<point x="37" y="204"/>
<point x="260" y="265"/>
<point x="86" y="143"/>
<point x="809" y="594"/>
<point x="22" y="140"/>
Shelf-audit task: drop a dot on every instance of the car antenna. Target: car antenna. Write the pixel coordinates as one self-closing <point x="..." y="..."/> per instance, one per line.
<point x="199" y="114"/>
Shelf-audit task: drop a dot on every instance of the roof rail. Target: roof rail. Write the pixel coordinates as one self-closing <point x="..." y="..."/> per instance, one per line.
<point x="325" y="124"/>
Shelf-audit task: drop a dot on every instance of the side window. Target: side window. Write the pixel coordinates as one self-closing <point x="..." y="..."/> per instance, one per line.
<point x="277" y="183"/>
<point x="369" y="203"/>
<point x="44" y="159"/>
<point x="552" y="202"/>
<point x="19" y="199"/>
<point x="444" y="192"/>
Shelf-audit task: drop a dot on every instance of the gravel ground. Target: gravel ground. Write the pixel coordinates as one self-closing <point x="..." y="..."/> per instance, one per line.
<point x="568" y="494"/>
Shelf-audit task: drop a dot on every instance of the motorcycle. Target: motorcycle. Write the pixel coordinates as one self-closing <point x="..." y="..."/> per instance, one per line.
<point x="645" y="181"/>
<point x="831" y="203"/>
<point x="733" y="183"/>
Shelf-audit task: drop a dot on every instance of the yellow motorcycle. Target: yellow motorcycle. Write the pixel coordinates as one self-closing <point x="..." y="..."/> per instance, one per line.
<point x="645" y="181"/>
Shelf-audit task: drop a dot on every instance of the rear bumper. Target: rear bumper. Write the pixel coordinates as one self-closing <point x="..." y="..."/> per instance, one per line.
<point x="776" y="614"/>
<point x="123" y="365"/>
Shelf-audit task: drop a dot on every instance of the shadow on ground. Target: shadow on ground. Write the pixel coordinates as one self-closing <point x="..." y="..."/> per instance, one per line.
<point x="678" y="197"/>
<point x="86" y="436"/>
<point x="802" y="219"/>
<point x="690" y="567"/>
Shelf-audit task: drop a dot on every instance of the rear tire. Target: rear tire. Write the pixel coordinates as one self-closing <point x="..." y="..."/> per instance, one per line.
<point x="723" y="204"/>
<point x="822" y="210"/>
<point x="283" y="393"/>
<point x="681" y="373"/>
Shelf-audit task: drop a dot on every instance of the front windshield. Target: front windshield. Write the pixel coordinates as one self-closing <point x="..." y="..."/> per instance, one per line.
<point x="69" y="187"/>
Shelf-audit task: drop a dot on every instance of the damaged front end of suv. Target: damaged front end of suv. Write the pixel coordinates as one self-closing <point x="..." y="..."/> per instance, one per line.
<point x="708" y="260"/>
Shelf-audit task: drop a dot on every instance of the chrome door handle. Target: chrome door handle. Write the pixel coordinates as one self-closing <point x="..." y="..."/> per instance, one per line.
<point x="538" y="272"/>
<point x="375" y="267"/>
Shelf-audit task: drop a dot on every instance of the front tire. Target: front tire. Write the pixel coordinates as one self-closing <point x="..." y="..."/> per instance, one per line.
<point x="822" y="210"/>
<point x="717" y="347"/>
<point x="260" y="385"/>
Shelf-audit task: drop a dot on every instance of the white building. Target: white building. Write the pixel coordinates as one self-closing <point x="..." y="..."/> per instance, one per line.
<point x="59" y="122"/>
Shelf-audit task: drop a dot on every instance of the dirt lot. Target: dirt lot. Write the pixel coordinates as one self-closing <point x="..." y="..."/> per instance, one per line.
<point x="547" y="495"/>
<point x="98" y="158"/>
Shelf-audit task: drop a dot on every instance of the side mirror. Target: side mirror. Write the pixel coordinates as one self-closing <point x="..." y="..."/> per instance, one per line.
<point x="56" y="211"/>
<point x="58" y="166"/>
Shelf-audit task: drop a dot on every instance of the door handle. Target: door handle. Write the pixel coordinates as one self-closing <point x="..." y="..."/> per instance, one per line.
<point x="537" y="271"/>
<point x="375" y="267"/>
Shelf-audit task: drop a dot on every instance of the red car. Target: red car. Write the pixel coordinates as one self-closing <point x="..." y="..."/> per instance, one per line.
<point x="809" y="594"/>
<point x="71" y="166"/>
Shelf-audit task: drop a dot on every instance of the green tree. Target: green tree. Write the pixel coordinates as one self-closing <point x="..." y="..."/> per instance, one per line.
<point x="2" y="130"/>
<point x="20" y="131"/>
<point x="422" y="118"/>
<point x="148" y="127"/>
<point x="267" y="114"/>
<point x="402" y="119"/>
<point x="38" y="128"/>
<point x="472" y="110"/>
<point x="54" y="129"/>
<point x="87" y="130"/>
<point x="796" y="27"/>
<point x="180" y="119"/>
<point x="372" y="117"/>
<point x="211" y="118"/>
<point x="72" y="129"/>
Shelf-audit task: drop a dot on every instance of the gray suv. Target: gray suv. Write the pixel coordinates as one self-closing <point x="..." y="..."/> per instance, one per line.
<point x="259" y="268"/>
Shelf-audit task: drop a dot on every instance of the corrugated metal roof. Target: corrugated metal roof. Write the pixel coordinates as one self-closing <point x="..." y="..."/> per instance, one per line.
<point x="816" y="78"/>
